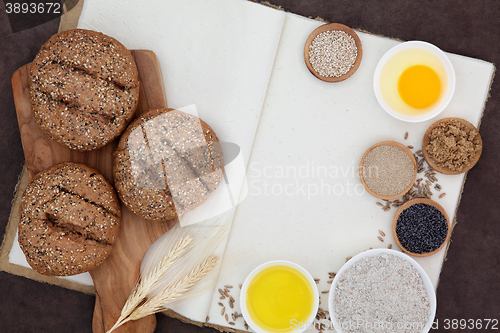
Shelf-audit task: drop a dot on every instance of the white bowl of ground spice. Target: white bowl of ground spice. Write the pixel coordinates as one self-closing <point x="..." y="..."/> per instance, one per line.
<point x="452" y="146"/>
<point x="333" y="52"/>
<point x="382" y="290"/>
<point x="388" y="170"/>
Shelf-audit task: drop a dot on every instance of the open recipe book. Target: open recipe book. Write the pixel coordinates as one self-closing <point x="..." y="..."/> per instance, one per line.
<point x="241" y="64"/>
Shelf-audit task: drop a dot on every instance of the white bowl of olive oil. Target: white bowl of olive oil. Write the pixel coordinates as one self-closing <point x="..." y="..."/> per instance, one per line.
<point x="279" y="296"/>
<point x="414" y="81"/>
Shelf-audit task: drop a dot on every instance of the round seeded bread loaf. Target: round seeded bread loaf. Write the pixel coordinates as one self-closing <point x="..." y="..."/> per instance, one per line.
<point x="84" y="88"/>
<point x="70" y="218"/>
<point x="166" y="162"/>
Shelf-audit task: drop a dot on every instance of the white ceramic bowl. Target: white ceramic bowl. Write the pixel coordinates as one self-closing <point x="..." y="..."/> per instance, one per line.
<point x="427" y="282"/>
<point x="391" y="66"/>
<point x="244" y="289"/>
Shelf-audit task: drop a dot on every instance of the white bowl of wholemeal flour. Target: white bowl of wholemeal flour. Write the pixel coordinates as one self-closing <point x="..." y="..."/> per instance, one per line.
<point x="382" y="290"/>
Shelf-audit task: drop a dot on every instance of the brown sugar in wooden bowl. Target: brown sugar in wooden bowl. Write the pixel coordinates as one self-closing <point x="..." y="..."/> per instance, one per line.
<point x="443" y="169"/>
<point x="410" y="184"/>
<point x="333" y="27"/>
<point x="407" y="205"/>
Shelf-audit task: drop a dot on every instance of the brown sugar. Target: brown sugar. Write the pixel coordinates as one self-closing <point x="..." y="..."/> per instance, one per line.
<point x="452" y="145"/>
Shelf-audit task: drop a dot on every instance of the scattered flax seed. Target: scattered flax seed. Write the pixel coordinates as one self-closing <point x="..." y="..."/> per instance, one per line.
<point x="233" y="316"/>
<point x="389" y="246"/>
<point x="325" y="292"/>
<point x="406" y="135"/>
<point x="410" y="147"/>
<point x="380" y="204"/>
<point x="228" y="287"/>
<point x="222" y="311"/>
<point x="231" y="304"/>
<point x="381" y="233"/>
<point x="222" y="297"/>
<point x="246" y="326"/>
<point x="231" y="299"/>
<point x="240" y="286"/>
<point x="380" y="239"/>
<point x="442" y="195"/>
<point x="329" y="281"/>
<point x="220" y="304"/>
<point x="316" y="280"/>
<point x="207" y="319"/>
<point x="221" y="292"/>
<point x="332" y="53"/>
<point x="227" y="318"/>
<point x="226" y="293"/>
<point x="231" y="323"/>
<point x="347" y="259"/>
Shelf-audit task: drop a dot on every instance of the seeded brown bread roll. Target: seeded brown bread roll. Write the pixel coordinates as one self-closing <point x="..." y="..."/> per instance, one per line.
<point x="166" y="162"/>
<point x="70" y="217"/>
<point x="84" y="88"/>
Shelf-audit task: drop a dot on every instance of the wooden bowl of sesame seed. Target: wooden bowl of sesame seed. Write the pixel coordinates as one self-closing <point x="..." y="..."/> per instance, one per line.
<point x="388" y="173"/>
<point x="333" y="52"/>
<point x="421" y="227"/>
<point x="452" y="153"/>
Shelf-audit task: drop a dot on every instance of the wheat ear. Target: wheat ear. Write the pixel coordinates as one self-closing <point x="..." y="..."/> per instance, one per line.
<point x="174" y="291"/>
<point x="145" y="284"/>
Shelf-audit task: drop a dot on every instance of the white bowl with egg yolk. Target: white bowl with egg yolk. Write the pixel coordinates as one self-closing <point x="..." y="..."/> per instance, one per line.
<point x="414" y="81"/>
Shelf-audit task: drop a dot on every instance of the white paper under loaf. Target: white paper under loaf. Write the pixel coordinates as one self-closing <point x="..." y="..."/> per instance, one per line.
<point x="215" y="55"/>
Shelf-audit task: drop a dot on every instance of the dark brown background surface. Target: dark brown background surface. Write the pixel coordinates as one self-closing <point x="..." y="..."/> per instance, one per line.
<point x="470" y="282"/>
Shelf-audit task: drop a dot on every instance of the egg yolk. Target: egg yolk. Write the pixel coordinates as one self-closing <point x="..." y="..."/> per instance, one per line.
<point x="419" y="86"/>
<point x="278" y="297"/>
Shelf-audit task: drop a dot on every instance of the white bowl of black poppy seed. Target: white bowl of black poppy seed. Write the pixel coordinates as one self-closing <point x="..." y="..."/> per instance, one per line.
<point x="382" y="290"/>
<point x="421" y="227"/>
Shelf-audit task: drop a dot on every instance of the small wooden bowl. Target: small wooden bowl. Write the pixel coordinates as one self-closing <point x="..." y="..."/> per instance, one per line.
<point x="414" y="202"/>
<point x="394" y="144"/>
<point x="446" y="170"/>
<point x="329" y="27"/>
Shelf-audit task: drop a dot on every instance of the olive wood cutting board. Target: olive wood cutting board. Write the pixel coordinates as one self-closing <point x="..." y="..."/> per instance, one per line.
<point x="117" y="275"/>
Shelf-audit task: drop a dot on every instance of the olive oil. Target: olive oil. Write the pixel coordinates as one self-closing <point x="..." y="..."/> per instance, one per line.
<point x="278" y="296"/>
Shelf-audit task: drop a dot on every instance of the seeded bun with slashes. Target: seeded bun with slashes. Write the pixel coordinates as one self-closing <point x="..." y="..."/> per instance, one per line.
<point x="84" y="88"/>
<point x="70" y="218"/>
<point x="166" y="162"/>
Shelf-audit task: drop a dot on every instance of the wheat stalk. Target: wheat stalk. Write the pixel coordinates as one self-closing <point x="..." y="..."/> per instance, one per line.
<point x="145" y="284"/>
<point x="175" y="290"/>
